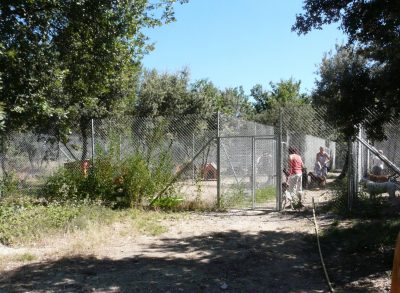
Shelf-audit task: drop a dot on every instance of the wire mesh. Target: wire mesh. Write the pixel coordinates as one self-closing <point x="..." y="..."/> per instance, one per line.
<point x="249" y="170"/>
<point x="307" y="130"/>
<point x="248" y="153"/>
<point x="30" y="158"/>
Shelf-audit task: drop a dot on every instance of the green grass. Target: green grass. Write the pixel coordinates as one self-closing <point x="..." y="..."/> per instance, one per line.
<point x="22" y="221"/>
<point x="237" y="198"/>
<point x="265" y="194"/>
<point x="150" y="222"/>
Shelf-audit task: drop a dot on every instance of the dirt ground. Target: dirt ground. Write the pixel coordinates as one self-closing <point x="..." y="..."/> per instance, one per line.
<point x="236" y="251"/>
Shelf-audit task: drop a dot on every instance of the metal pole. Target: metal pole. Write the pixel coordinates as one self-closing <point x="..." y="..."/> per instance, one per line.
<point x="253" y="171"/>
<point x="120" y="147"/>
<point x="359" y="163"/>
<point x="193" y="171"/>
<point x="350" y="176"/>
<point x="93" y="154"/>
<point x="218" y="163"/>
<point x="279" y="164"/>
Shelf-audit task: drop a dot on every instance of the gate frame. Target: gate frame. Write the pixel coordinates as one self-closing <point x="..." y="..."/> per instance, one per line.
<point x="253" y="138"/>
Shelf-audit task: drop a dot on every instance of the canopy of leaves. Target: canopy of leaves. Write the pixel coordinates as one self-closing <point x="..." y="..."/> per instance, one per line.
<point x="170" y="94"/>
<point x="282" y="94"/>
<point x="347" y="89"/>
<point x="371" y="80"/>
<point x="64" y="62"/>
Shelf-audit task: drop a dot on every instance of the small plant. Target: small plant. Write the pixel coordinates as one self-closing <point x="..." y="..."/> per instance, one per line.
<point x="236" y="198"/>
<point x="148" y="222"/>
<point x="25" y="257"/>
<point x="9" y="185"/>
<point x="168" y="202"/>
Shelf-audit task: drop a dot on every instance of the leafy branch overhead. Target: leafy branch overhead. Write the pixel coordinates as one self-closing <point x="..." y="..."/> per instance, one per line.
<point x="370" y="79"/>
<point x="66" y="62"/>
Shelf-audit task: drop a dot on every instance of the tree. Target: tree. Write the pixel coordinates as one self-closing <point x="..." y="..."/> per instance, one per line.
<point x="373" y="31"/>
<point x="168" y="95"/>
<point x="68" y="62"/>
<point x="285" y="93"/>
<point x="347" y="88"/>
<point x="233" y="101"/>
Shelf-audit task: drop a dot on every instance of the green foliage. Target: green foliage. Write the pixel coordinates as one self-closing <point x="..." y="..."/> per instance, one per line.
<point x="149" y="222"/>
<point x="26" y="221"/>
<point x="265" y="194"/>
<point x="233" y="101"/>
<point x="25" y="257"/>
<point x="168" y="202"/>
<point x="285" y="93"/>
<point x="364" y="75"/>
<point x="236" y="198"/>
<point x="172" y="95"/>
<point x="62" y="63"/>
<point x="9" y="185"/>
<point x="130" y="182"/>
<point x="168" y="95"/>
<point x="347" y="90"/>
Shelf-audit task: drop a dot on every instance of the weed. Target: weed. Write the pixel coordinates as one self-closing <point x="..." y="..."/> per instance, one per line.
<point x="25" y="257"/>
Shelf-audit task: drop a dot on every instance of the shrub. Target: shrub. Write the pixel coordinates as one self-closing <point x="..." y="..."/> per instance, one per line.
<point x="8" y="185"/>
<point x="126" y="183"/>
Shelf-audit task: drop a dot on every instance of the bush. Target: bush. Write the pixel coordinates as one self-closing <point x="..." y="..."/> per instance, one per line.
<point x="23" y="220"/>
<point x="130" y="182"/>
<point x="8" y="185"/>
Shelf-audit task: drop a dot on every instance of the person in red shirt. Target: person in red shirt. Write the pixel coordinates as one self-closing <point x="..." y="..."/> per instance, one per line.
<point x="295" y="173"/>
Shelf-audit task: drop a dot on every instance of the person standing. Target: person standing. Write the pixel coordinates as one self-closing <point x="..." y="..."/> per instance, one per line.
<point x="295" y="173"/>
<point x="321" y="163"/>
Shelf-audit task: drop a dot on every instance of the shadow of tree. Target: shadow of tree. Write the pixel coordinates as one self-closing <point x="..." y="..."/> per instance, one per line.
<point x="263" y="262"/>
<point x="228" y="261"/>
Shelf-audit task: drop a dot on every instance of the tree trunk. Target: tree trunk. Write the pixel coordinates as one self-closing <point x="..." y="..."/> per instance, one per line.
<point x="345" y="166"/>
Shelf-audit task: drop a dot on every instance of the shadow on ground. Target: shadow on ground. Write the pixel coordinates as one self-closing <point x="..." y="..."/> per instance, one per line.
<point x="229" y="261"/>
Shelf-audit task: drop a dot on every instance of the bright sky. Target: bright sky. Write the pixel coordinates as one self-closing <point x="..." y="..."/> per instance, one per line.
<point x="240" y="42"/>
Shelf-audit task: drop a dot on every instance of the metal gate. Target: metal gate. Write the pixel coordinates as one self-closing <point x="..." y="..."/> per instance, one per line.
<point x="248" y="171"/>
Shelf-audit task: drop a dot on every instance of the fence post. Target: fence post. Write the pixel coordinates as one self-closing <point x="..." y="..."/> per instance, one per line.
<point x="253" y="170"/>
<point x="218" y="163"/>
<point x="193" y="170"/>
<point x="350" y="175"/>
<point x="279" y="163"/>
<point x="359" y="164"/>
<point x="93" y="142"/>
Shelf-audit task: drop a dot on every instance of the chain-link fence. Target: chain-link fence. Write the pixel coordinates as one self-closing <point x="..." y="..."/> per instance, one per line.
<point x="374" y="163"/>
<point x="221" y="159"/>
<point x="247" y="163"/>
<point x="27" y="159"/>
<point x="306" y="130"/>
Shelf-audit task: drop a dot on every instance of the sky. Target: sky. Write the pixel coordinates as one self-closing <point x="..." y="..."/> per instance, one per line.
<point x="241" y="43"/>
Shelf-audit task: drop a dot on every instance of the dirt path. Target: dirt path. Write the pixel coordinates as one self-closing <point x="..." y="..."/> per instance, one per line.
<point x="237" y="251"/>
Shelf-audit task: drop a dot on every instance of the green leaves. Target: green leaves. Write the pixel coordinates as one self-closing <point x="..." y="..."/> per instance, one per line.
<point x="282" y="94"/>
<point x="368" y="78"/>
<point x="65" y="62"/>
